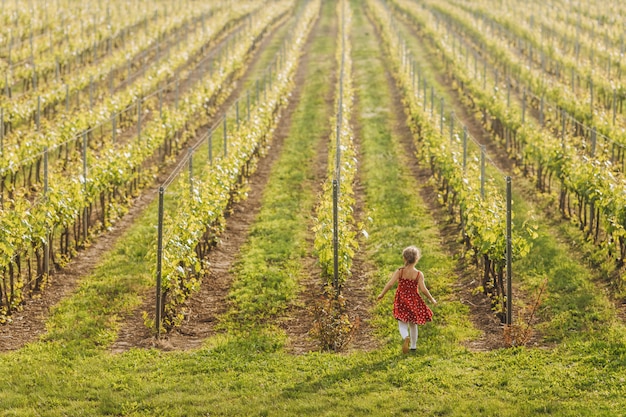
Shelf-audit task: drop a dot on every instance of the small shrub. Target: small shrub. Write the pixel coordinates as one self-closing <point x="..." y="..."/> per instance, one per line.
<point x="517" y="334"/>
<point x="520" y="333"/>
<point x="332" y="326"/>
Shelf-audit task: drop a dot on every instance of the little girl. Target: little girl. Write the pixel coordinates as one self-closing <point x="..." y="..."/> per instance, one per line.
<point x="408" y="307"/>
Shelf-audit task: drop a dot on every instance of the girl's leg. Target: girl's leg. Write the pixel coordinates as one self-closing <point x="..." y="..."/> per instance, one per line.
<point x="404" y="329"/>
<point x="413" y="329"/>
<point x="404" y="332"/>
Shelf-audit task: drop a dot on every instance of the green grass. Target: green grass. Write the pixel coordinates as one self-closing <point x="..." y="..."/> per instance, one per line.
<point x="71" y="372"/>
<point x="238" y="377"/>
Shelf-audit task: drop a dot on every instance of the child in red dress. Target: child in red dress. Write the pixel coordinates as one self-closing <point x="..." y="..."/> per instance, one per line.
<point x="408" y="307"/>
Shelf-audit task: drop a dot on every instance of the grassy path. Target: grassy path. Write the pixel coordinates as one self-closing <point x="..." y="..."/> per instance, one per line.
<point x="399" y="216"/>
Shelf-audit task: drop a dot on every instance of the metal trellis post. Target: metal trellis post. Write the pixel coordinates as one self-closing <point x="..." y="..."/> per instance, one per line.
<point x="509" y="255"/>
<point x="159" y="266"/>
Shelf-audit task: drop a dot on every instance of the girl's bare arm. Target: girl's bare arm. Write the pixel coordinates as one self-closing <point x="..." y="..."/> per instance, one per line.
<point x="422" y="287"/>
<point x="392" y="281"/>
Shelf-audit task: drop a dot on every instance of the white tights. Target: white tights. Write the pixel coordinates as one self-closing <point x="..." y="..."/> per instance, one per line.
<point x="404" y="331"/>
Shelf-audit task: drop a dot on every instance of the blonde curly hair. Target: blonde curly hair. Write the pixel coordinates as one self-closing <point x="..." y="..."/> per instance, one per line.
<point x="411" y="255"/>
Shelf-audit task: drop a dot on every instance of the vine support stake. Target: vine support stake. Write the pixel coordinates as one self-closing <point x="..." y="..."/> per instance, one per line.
<point x="225" y="137"/>
<point x="85" y="157"/>
<point x="419" y="81"/>
<point x="113" y="127"/>
<point x="86" y="210"/>
<point x="1" y="131"/>
<point x="335" y="237"/>
<point x="441" y="117"/>
<point x="464" y="147"/>
<point x="237" y="113"/>
<point x="524" y="107"/>
<point x="496" y="82"/>
<point x="338" y="148"/>
<point x="508" y="93"/>
<point x="432" y="101"/>
<point x="157" y="320"/>
<point x="176" y="100"/>
<point x="614" y="105"/>
<point x="161" y="103"/>
<point x="509" y="255"/>
<point x="38" y="113"/>
<point x="139" y="120"/>
<point x="484" y="74"/>
<point x="482" y="171"/>
<point x="591" y="96"/>
<point x="45" y="171"/>
<point x="475" y="66"/>
<point x="563" y="128"/>
<point x="248" y="103"/>
<point x="34" y="76"/>
<point x="46" y="247"/>
<point x="210" y="145"/>
<point x="190" y="154"/>
<point x="451" y="127"/>
<point x="594" y="136"/>
<point x="111" y="81"/>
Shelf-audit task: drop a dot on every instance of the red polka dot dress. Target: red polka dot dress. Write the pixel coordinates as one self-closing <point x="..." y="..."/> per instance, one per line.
<point x="408" y="306"/>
